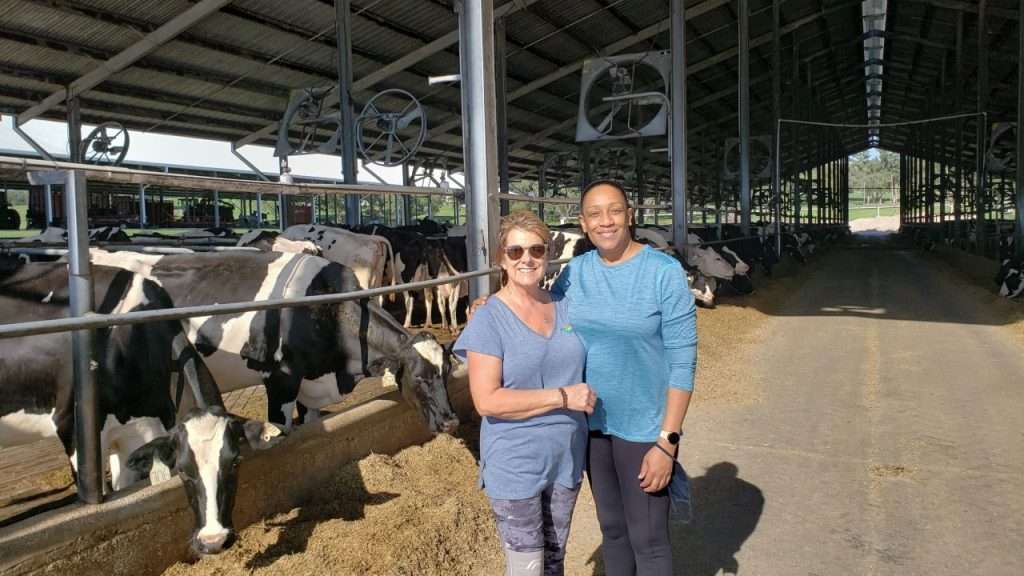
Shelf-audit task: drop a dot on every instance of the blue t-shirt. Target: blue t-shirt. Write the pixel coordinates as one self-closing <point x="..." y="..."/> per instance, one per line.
<point x="520" y="458"/>
<point x="638" y="322"/>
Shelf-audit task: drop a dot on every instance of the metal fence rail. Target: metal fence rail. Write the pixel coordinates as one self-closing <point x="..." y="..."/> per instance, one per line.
<point x="93" y="321"/>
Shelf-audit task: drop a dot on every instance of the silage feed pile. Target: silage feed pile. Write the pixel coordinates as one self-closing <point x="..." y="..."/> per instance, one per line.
<point x="416" y="513"/>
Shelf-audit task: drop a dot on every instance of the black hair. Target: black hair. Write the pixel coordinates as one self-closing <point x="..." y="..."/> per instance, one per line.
<point x="604" y="182"/>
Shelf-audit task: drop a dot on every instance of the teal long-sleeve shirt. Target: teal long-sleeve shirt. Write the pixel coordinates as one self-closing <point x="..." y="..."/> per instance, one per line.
<point x="638" y="323"/>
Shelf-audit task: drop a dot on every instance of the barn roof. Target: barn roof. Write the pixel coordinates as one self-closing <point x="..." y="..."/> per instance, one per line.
<point x="229" y="75"/>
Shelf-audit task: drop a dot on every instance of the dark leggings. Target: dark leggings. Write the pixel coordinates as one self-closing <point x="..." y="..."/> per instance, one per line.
<point x="634" y="524"/>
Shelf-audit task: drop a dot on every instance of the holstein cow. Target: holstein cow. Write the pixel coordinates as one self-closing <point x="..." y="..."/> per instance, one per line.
<point x="271" y="241"/>
<point x="409" y="264"/>
<point x="366" y="256"/>
<point x="711" y="264"/>
<point x="1011" y="277"/>
<point x="146" y="371"/>
<point x="453" y="259"/>
<point x="55" y="235"/>
<point x="204" y="450"/>
<point x="312" y="355"/>
<point x="154" y="390"/>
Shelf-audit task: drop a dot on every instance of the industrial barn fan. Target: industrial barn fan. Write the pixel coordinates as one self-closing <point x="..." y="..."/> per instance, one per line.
<point x="1002" y="148"/>
<point x="107" y="144"/>
<point x="307" y="128"/>
<point x="624" y="97"/>
<point x="760" y="158"/>
<point x="391" y="128"/>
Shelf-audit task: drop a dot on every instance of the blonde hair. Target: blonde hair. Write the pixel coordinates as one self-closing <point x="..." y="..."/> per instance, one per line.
<point x="522" y="220"/>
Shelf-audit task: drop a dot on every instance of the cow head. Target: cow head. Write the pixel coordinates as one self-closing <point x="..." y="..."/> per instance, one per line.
<point x="709" y="262"/>
<point x="205" y="449"/>
<point x="420" y="370"/>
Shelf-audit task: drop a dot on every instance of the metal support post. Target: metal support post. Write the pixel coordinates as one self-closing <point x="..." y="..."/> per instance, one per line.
<point x="216" y="209"/>
<point x="48" y="205"/>
<point x="281" y="218"/>
<point x="259" y="210"/>
<point x="74" y="130"/>
<point x="501" y="110"/>
<point x="959" y="161"/>
<point x="142" y="206"/>
<point x="405" y="201"/>
<point x="87" y="398"/>
<point x="744" y="113"/>
<point x="476" y="51"/>
<point x="1018" y="229"/>
<point x="542" y="184"/>
<point x="777" y="113"/>
<point x="587" y="171"/>
<point x="641" y="184"/>
<point x="982" y="141"/>
<point x="343" y="35"/>
<point x="677" y="114"/>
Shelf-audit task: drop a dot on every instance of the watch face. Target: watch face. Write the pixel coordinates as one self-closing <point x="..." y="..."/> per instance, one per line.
<point x="673" y="438"/>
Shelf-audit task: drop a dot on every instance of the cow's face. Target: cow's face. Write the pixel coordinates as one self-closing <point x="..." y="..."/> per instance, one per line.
<point x="709" y="262"/>
<point x="421" y="372"/>
<point x="205" y="449"/>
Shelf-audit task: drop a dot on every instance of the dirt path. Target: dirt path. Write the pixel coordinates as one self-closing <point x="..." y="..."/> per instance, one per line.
<point x="885" y="440"/>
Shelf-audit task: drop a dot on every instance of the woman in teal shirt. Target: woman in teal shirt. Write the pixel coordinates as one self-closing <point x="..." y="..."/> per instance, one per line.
<point x="631" y="307"/>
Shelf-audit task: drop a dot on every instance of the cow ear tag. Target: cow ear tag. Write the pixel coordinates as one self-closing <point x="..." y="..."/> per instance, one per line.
<point x="270" y="432"/>
<point x="388" y="380"/>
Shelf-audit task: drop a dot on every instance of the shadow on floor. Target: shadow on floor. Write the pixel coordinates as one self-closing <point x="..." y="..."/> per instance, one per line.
<point x="726" y="510"/>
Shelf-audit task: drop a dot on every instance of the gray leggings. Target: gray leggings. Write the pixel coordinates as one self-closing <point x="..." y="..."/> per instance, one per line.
<point x="534" y="531"/>
<point x="634" y="524"/>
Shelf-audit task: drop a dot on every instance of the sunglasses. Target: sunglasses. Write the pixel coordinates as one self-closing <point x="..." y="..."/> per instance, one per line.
<point x="516" y="252"/>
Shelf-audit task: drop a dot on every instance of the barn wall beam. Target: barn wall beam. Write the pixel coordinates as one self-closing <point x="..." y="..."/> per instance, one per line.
<point x="343" y="34"/>
<point x="476" y="49"/>
<point x="1018" y="229"/>
<point x="982" y="129"/>
<point x="678" y="119"/>
<point x="744" y="112"/>
<point x="127" y="57"/>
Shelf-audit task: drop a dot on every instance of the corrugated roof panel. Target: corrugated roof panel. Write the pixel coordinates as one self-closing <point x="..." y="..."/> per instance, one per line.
<point x="428" y="18"/>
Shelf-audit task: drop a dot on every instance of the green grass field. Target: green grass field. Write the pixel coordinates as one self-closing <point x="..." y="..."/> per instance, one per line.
<point x="858" y="213"/>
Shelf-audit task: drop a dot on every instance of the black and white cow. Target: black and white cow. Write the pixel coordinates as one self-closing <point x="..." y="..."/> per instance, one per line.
<point x="714" y="265"/>
<point x="204" y="450"/>
<point x="271" y="241"/>
<point x="155" y="390"/>
<point x="310" y="355"/>
<point x="411" y="263"/>
<point x="1010" y="277"/>
<point x="367" y="256"/>
<point x="147" y="374"/>
<point x="56" y="235"/>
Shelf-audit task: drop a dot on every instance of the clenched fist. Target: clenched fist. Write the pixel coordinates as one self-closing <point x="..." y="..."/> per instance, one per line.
<point x="580" y="397"/>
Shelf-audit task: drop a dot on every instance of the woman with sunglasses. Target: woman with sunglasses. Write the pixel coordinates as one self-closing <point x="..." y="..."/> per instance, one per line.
<point x="631" y="307"/>
<point x="525" y="376"/>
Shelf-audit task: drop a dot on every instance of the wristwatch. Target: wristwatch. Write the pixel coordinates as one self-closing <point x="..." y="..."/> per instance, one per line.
<point x="671" y="437"/>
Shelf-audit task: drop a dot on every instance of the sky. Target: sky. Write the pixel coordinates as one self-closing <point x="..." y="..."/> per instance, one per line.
<point x="182" y="151"/>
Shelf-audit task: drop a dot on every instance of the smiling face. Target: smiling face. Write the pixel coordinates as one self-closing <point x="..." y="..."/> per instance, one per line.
<point x="527" y="270"/>
<point x="605" y="218"/>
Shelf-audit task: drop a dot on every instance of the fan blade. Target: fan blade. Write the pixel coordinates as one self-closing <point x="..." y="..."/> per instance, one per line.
<point x="409" y="118"/>
<point x="606" y="125"/>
